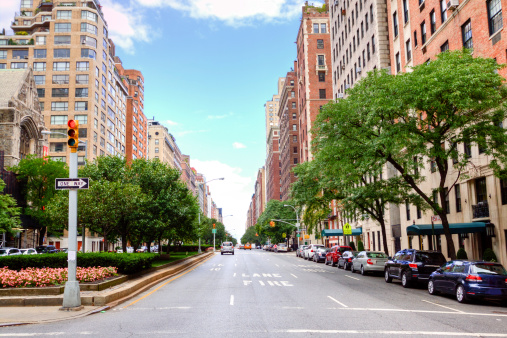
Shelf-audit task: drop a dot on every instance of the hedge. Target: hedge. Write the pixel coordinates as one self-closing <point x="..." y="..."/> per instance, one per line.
<point x="126" y="263"/>
<point x="184" y="248"/>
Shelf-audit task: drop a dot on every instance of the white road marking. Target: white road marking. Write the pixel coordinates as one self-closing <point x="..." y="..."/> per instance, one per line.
<point x="276" y="283"/>
<point x="334" y="300"/>
<point x="293" y="308"/>
<point x="294" y="276"/>
<point x="155" y="308"/>
<point x="406" y="333"/>
<point x="450" y="308"/>
<point x="234" y="275"/>
<point x="235" y="264"/>
<point x="277" y="265"/>
<point x="261" y="283"/>
<point x="232" y="300"/>
<point x="247" y="282"/>
<point x="424" y="311"/>
<point x="352" y="277"/>
<point x="270" y="283"/>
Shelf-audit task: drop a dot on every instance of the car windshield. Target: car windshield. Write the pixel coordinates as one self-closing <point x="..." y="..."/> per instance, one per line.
<point x="489" y="269"/>
<point x="342" y="249"/>
<point x="433" y="258"/>
<point x="376" y="255"/>
<point x="282" y="244"/>
<point x="227" y="244"/>
<point x="2" y="251"/>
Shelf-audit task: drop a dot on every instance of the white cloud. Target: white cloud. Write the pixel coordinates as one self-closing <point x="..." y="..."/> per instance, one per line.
<point x="186" y="132"/>
<point x="233" y="12"/>
<point x="219" y="117"/>
<point x="7" y="10"/>
<point x="233" y="194"/>
<point x="237" y="145"/>
<point x="171" y="123"/>
<point x="125" y="24"/>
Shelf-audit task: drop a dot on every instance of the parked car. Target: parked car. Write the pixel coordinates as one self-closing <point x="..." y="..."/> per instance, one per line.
<point x="9" y="252"/>
<point x="119" y="251"/>
<point x="470" y="280"/>
<point x="46" y="249"/>
<point x="345" y="260"/>
<point x="319" y="254"/>
<point x="308" y="252"/>
<point x="227" y="247"/>
<point x="64" y="250"/>
<point x="130" y="249"/>
<point x="369" y="261"/>
<point x="29" y="251"/>
<point x="282" y="247"/>
<point x="299" y="251"/>
<point x="334" y="253"/>
<point x="142" y="249"/>
<point x="412" y="266"/>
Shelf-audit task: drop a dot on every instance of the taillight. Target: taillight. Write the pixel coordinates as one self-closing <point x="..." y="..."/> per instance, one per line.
<point x="474" y="278"/>
<point x="369" y="261"/>
<point x="311" y="250"/>
<point x="350" y="259"/>
<point x="412" y="265"/>
<point x="505" y="280"/>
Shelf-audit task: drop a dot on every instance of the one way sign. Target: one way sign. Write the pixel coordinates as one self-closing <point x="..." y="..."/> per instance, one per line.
<point x="71" y="183"/>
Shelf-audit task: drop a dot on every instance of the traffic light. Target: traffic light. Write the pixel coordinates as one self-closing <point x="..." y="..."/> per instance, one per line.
<point x="73" y="135"/>
<point x="213" y="225"/>
<point x="272" y="223"/>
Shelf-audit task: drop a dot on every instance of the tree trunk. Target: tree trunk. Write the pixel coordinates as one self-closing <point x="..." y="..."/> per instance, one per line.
<point x="451" y="249"/>
<point x="42" y="234"/>
<point x="384" y="235"/>
<point x="124" y="242"/>
<point x="105" y="244"/>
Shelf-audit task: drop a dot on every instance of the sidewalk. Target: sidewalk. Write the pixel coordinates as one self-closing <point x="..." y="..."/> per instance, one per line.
<point x="18" y="310"/>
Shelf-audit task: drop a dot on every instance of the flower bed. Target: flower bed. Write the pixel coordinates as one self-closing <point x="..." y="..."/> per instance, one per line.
<point x="35" y="277"/>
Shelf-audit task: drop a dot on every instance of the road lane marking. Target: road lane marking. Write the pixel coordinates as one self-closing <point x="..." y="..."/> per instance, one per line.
<point x="157" y="308"/>
<point x="449" y="308"/>
<point x="405" y="333"/>
<point x="276" y="283"/>
<point x="261" y="283"/>
<point x="234" y="275"/>
<point x="352" y="277"/>
<point x="169" y="281"/>
<point x="232" y="300"/>
<point x="294" y="276"/>
<point x="424" y="311"/>
<point x="277" y="265"/>
<point x="247" y="282"/>
<point x="293" y="307"/>
<point x="270" y="283"/>
<point x="334" y="300"/>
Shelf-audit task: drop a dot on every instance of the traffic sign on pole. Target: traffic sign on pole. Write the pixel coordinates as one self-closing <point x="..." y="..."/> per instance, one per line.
<point x="347" y="229"/>
<point x="71" y="183"/>
<point x="213" y="231"/>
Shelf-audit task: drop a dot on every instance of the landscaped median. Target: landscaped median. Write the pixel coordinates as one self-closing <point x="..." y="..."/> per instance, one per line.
<point x="97" y="292"/>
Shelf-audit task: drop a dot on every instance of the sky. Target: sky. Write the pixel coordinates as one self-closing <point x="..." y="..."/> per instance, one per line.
<point x="209" y="67"/>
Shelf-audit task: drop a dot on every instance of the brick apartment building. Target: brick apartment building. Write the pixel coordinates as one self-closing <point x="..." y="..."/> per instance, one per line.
<point x="67" y="46"/>
<point x="314" y="72"/>
<point x="288" y="117"/>
<point x="273" y="165"/>
<point x="271" y="109"/>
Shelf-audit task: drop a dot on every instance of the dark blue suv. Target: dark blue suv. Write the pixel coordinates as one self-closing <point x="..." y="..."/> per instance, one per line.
<point x="412" y="266"/>
<point x="470" y="280"/>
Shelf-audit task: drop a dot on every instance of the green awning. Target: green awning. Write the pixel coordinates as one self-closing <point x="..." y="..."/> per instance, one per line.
<point x="455" y="228"/>
<point x="339" y="232"/>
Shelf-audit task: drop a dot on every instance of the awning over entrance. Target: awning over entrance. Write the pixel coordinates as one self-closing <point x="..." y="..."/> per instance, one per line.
<point x="455" y="228"/>
<point x="339" y="232"/>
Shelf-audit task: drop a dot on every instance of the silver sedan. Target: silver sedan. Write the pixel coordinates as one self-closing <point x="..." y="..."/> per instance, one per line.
<point x="369" y="261"/>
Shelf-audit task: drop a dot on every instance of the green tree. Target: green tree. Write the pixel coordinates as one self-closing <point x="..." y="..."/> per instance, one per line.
<point x="37" y="179"/>
<point x="421" y="116"/>
<point x="9" y="212"/>
<point x="283" y="218"/>
<point x="250" y="236"/>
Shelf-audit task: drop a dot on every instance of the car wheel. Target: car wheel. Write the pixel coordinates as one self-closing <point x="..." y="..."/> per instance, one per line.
<point x="362" y="271"/>
<point x="221" y="253"/>
<point x="405" y="280"/>
<point x="431" y="287"/>
<point x="352" y="267"/>
<point x="387" y="278"/>
<point x="461" y="295"/>
<point x="233" y="253"/>
<point x="325" y="261"/>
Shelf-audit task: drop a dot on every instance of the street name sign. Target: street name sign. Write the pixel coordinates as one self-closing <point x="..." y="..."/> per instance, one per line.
<point x="347" y="229"/>
<point x="213" y="231"/>
<point x="71" y="183"/>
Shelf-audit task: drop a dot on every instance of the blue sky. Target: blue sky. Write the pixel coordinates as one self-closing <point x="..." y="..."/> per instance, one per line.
<point x="209" y="67"/>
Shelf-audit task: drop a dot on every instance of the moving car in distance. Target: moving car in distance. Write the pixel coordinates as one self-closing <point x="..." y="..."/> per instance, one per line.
<point x="248" y="246"/>
<point x="282" y="247"/>
<point x="470" y="280"/>
<point x="227" y="247"/>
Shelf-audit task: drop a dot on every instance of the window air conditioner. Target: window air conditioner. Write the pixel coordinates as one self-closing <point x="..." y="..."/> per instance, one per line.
<point x="336" y="2"/>
<point x="358" y="69"/>
<point x="347" y="86"/>
<point x="452" y="4"/>
<point x="344" y="12"/>
<point x="340" y="95"/>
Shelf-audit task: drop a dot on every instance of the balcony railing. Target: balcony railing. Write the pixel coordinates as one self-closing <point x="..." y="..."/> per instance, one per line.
<point x="480" y="210"/>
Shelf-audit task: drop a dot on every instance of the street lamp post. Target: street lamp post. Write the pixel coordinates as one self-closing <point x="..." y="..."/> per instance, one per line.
<point x="199" y="215"/>
<point x="297" y="219"/>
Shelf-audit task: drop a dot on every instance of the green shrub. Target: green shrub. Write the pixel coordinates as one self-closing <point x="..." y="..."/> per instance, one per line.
<point x="352" y="245"/>
<point x="126" y="263"/>
<point x="489" y="256"/>
<point x="21" y="33"/>
<point x="360" y="246"/>
<point x="461" y="254"/>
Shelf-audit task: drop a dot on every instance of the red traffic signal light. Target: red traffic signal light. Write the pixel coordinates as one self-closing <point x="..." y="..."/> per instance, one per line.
<point x="73" y="134"/>
<point x="213" y="225"/>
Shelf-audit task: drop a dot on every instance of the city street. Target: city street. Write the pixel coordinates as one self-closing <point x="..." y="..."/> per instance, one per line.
<point x="263" y="294"/>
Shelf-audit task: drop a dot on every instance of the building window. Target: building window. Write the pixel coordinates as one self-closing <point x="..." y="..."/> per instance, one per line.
<point x="443" y="10"/>
<point x="82" y="65"/>
<point x="156" y="149"/>
<point x="398" y="63"/>
<point x="320" y="44"/>
<point x="294" y="127"/>
<point x="423" y="32"/>
<point x="444" y="47"/>
<point x="322" y="93"/>
<point x="405" y="11"/>
<point x="466" y="32"/>
<point x="293" y="94"/>
<point x="3" y="66"/>
<point x="40" y="79"/>
<point x="407" y="209"/>
<point x="57" y="147"/>
<point x="88" y="53"/>
<point x="433" y="22"/>
<point x="395" y="24"/>
<point x="59" y="119"/>
<point x="467" y="149"/>
<point x="457" y="194"/>
<point x="320" y="60"/>
<point x="373" y="44"/>
<point x="408" y="48"/>
<point x="415" y="38"/>
<point x="419" y="213"/>
<point x="64" y="14"/>
<point x="323" y="29"/>
<point x="81" y="106"/>
<point x="61" y="53"/>
<point x="295" y="160"/>
<point x="494" y="16"/>
<point x="293" y="105"/>
<point x="37" y="53"/>
<point x="61" y="66"/>
<point x="88" y="28"/>
<point x="41" y="92"/>
<point x="316" y="28"/>
<point x="480" y="189"/>
<point x="40" y="40"/>
<point x="62" y="40"/>
<point x="322" y="77"/>
<point x="435" y="197"/>
<point x="39" y="66"/>
<point x="81" y="92"/>
<point x="62" y="27"/>
<point x="82" y="79"/>
<point x="60" y="92"/>
<point x="503" y="188"/>
<point x="89" y="16"/>
<point x="19" y="65"/>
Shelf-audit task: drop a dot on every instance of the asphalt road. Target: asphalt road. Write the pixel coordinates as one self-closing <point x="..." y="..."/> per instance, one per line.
<point x="262" y="294"/>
